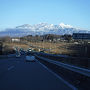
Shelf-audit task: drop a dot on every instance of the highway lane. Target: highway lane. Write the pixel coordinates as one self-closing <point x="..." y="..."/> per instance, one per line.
<point x="16" y="74"/>
<point x="6" y="64"/>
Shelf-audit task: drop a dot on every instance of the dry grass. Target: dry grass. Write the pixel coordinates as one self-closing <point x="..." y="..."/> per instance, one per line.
<point x="56" y="48"/>
<point x="24" y="46"/>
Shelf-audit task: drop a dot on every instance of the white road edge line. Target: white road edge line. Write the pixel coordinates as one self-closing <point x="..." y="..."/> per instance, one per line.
<point x="11" y="68"/>
<point x="68" y="84"/>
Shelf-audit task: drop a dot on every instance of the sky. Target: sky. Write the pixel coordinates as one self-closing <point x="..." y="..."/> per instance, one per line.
<point x="18" y="12"/>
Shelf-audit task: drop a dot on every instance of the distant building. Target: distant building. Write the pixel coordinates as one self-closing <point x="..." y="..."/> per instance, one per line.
<point x="82" y="36"/>
<point x="15" y="40"/>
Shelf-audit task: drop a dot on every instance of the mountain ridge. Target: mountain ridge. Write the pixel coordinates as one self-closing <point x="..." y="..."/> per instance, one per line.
<point x="41" y="29"/>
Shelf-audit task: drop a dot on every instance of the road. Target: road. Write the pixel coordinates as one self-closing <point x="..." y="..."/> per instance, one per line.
<point x="16" y="74"/>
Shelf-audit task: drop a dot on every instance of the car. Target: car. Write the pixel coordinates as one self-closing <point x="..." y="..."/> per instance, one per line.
<point x="22" y="52"/>
<point x="30" y="58"/>
<point x="18" y="55"/>
<point x="29" y="49"/>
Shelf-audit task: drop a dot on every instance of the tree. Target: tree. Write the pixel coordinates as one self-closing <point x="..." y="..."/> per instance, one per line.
<point x="1" y="45"/>
<point x="68" y="37"/>
<point x="5" y="39"/>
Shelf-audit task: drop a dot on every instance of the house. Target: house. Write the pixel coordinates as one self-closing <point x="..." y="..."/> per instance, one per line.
<point x="15" y="40"/>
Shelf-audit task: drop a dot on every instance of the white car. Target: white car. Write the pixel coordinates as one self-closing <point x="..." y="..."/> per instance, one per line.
<point x="30" y="58"/>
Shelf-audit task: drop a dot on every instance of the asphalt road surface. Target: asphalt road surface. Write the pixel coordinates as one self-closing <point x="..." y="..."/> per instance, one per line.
<point x="16" y="74"/>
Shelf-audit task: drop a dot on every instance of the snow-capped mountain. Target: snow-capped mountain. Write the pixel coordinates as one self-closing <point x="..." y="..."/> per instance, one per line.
<point x="62" y="25"/>
<point x="41" y="29"/>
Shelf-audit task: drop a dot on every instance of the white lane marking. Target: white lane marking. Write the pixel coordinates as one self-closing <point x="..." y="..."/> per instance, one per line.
<point x="11" y="68"/>
<point x="68" y="84"/>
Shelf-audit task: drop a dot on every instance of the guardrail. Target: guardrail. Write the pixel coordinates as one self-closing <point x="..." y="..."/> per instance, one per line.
<point x="83" y="62"/>
<point x="7" y="56"/>
<point x="79" y="77"/>
<point x="11" y="55"/>
<point x="82" y="71"/>
<point x="3" y="56"/>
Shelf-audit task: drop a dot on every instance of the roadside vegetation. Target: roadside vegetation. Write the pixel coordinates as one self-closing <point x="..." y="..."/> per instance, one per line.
<point x="54" y="44"/>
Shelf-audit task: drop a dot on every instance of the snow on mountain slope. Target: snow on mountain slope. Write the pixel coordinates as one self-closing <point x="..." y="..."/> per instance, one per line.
<point x="62" y="25"/>
<point x="40" y="29"/>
